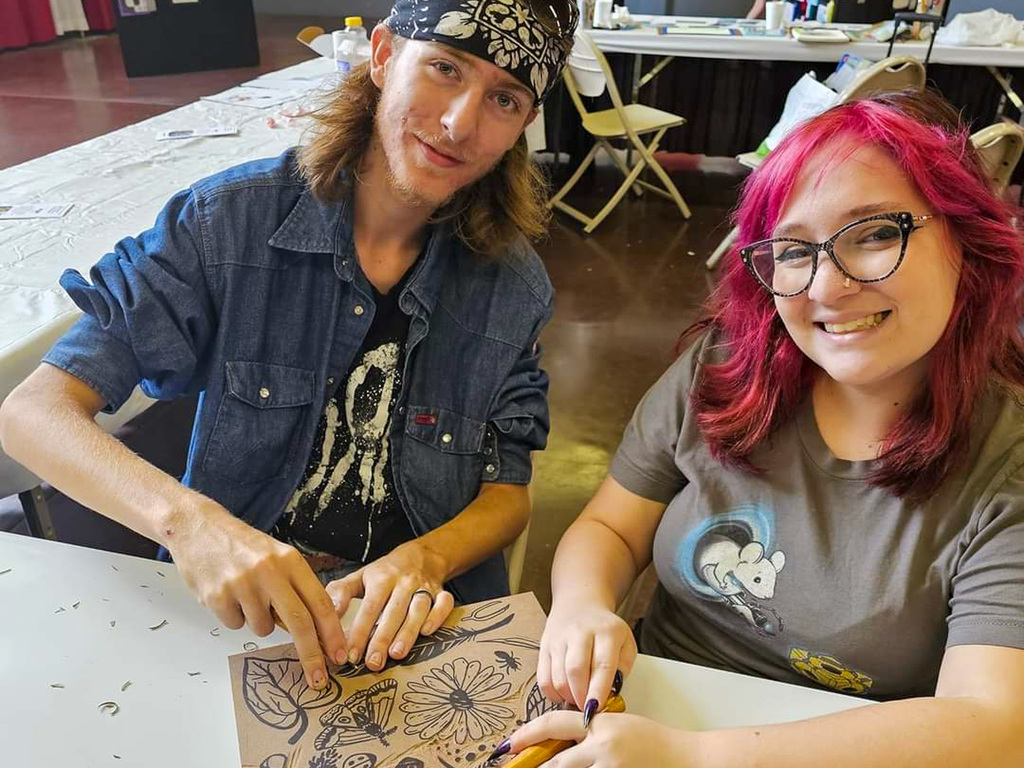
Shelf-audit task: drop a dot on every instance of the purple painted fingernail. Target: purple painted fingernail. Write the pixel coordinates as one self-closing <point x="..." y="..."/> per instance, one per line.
<point x="617" y="683"/>
<point x="502" y="749"/>
<point x="588" y="712"/>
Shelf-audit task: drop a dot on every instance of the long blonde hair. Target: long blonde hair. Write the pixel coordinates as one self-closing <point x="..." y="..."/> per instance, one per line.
<point x="488" y="215"/>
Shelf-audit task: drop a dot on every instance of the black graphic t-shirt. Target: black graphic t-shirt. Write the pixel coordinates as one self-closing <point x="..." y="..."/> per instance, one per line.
<point x="346" y="504"/>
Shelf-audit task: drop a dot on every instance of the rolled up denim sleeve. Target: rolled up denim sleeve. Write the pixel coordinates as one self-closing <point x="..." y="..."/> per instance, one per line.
<point x="519" y="419"/>
<point x="148" y="312"/>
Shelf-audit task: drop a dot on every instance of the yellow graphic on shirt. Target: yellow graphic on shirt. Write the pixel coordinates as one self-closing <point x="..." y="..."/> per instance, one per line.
<point x="828" y="671"/>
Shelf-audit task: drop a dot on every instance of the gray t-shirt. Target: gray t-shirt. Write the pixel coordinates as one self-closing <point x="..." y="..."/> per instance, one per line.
<point x="807" y="572"/>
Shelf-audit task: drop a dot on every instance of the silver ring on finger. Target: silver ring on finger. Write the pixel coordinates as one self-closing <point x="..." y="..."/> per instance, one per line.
<point x="427" y="592"/>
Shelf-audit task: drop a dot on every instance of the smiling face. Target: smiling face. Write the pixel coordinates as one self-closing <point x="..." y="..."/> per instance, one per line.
<point x="872" y="336"/>
<point x="445" y="117"/>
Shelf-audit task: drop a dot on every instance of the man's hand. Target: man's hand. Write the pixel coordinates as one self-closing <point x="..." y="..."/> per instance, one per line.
<point x="245" y="577"/>
<point x="396" y="593"/>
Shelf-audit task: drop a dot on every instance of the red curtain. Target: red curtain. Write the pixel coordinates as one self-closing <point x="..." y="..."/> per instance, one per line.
<point x="24" y="22"/>
<point x="100" y="15"/>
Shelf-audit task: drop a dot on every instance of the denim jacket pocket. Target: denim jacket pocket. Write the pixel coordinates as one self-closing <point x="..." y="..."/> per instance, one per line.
<point x="446" y="430"/>
<point x="442" y="456"/>
<point x="260" y="415"/>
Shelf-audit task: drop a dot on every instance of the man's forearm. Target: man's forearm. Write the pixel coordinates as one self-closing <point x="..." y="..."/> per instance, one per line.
<point x="487" y="525"/>
<point x="953" y="732"/>
<point x="59" y="441"/>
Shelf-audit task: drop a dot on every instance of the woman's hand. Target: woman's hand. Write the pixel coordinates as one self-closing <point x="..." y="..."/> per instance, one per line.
<point x="401" y="594"/>
<point x="580" y="652"/>
<point x="612" y="741"/>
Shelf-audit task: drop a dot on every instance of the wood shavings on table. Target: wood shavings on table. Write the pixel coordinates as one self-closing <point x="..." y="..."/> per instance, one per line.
<point x="109" y="708"/>
<point x="161" y="625"/>
<point x="126" y="685"/>
<point x="56" y="685"/>
<point x="6" y="570"/>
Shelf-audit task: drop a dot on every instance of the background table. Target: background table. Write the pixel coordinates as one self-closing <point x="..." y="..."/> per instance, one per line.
<point x="170" y="718"/>
<point x="647" y="40"/>
<point x="731" y="90"/>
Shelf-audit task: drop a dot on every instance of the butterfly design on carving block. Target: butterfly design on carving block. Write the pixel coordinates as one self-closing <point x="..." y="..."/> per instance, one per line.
<point x="363" y="716"/>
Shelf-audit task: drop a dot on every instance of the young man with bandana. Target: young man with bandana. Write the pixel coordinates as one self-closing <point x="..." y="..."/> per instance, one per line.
<point x="360" y="317"/>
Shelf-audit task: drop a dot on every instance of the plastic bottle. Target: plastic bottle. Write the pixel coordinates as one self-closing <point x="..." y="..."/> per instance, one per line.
<point x="349" y="46"/>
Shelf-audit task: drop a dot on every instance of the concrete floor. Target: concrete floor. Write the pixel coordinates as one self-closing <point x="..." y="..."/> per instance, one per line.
<point x="624" y="293"/>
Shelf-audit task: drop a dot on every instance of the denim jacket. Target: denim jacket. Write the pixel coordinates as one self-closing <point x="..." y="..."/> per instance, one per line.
<point x="247" y="290"/>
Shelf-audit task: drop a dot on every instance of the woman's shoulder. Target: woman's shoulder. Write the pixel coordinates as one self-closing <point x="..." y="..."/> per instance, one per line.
<point x="997" y="434"/>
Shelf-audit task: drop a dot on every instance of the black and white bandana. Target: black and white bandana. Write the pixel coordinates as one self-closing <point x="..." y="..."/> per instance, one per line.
<point x="507" y="33"/>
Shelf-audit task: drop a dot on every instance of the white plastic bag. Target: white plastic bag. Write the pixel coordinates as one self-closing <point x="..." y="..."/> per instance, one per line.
<point x="988" y="27"/>
<point x="805" y="100"/>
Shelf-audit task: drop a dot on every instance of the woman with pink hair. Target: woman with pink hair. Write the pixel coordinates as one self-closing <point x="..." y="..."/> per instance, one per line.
<point x="829" y="480"/>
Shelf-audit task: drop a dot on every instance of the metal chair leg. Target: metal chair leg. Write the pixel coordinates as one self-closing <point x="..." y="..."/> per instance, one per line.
<point x="648" y="155"/>
<point x="40" y="524"/>
<point x="722" y="249"/>
<point x="622" y="190"/>
<point x="556" y="198"/>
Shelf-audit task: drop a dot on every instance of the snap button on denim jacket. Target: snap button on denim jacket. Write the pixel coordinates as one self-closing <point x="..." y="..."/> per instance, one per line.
<point x="247" y="290"/>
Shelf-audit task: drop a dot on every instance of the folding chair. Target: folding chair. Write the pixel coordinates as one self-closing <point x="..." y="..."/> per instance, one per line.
<point x="630" y="121"/>
<point x="895" y="73"/>
<point x="1000" y="146"/>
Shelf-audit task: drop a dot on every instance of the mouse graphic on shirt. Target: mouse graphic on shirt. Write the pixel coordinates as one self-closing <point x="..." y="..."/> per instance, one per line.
<point x="730" y="559"/>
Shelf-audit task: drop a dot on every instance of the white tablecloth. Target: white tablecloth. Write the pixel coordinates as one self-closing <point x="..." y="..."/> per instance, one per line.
<point x="169" y="718"/>
<point x="647" y="40"/>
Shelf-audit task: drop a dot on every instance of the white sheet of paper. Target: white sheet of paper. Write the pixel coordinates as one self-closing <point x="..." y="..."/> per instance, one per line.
<point x="260" y="98"/>
<point x="194" y="133"/>
<point x="34" y="211"/>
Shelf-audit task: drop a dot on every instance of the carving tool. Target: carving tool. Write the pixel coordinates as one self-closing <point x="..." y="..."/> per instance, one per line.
<point x="538" y="754"/>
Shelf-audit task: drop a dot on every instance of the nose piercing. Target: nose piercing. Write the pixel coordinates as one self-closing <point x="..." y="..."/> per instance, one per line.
<point x="846" y="283"/>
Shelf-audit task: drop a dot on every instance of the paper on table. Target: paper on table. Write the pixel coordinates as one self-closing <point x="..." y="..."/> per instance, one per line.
<point x="456" y="696"/>
<point x="690" y="29"/>
<point x="195" y="133"/>
<point x="34" y="211"/>
<point x="259" y="98"/>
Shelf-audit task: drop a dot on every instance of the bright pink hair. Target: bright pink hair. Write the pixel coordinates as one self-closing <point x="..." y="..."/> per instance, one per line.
<point x="765" y="376"/>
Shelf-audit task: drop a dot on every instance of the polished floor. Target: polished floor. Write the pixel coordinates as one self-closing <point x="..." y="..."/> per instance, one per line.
<point x="624" y="293"/>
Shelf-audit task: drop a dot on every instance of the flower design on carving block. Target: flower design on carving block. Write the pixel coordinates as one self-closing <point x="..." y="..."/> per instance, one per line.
<point x="457" y="701"/>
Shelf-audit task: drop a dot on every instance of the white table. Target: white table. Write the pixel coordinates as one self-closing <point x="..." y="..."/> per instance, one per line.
<point x="169" y="718"/>
<point x="647" y="41"/>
